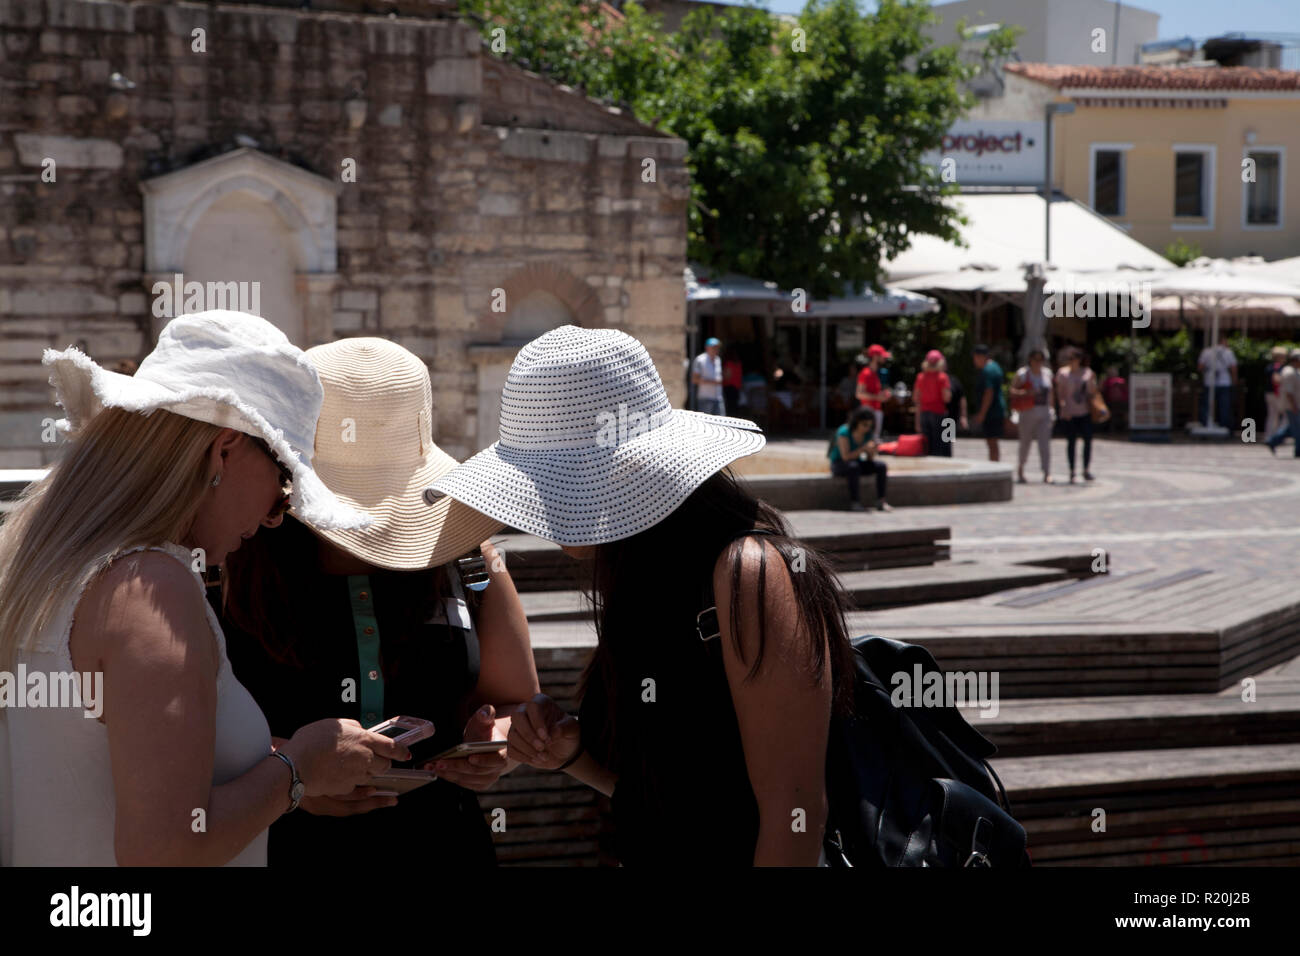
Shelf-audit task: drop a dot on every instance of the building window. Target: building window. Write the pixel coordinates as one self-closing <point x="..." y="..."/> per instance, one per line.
<point x="1264" y="196"/>
<point x="1108" y="182"/>
<point x="1189" y="185"/>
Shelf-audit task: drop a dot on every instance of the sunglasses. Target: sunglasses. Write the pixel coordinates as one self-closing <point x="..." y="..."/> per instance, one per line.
<point x="286" y="480"/>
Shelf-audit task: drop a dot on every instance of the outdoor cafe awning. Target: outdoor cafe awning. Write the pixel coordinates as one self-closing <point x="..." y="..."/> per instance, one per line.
<point x="709" y="294"/>
<point x="1005" y="231"/>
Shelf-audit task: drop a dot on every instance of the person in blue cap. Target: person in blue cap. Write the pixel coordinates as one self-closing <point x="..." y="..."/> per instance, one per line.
<point x="706" y="376"/>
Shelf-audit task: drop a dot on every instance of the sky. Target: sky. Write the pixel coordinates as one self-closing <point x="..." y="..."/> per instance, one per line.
<point x="1180" y="18"/>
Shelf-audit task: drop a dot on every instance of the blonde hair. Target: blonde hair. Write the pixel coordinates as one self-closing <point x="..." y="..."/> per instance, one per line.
<point x="125" y="479"/>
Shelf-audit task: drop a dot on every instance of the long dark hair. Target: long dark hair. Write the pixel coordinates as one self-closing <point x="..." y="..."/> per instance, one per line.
<point x="653" y="584"/>
<point x="272" y="583"/>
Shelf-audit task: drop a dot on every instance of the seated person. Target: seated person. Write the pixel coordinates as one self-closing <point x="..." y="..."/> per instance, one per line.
<point x="852" y="454"/>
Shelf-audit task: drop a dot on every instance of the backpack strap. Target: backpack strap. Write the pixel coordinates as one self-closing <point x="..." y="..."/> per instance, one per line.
<point x="706" y="622"/>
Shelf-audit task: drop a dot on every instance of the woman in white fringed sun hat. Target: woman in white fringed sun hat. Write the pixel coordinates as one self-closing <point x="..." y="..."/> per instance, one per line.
<point x="722" y="650"/>
<point x="164" y="471"/>
<point x="383" y="607"/>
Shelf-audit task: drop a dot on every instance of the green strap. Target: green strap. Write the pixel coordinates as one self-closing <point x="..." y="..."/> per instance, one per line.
<point x="370" y="682"/>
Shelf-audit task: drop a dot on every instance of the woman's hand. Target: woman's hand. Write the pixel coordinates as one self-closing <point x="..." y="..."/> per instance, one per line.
<point x="334" y="756"/>
<point x="542" y="735"/>
<point x="360" y="800"/>
<point x="475" y="771"/>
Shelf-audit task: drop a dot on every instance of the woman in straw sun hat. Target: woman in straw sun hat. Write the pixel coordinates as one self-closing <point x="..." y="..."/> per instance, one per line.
<point x="174" y="466"/>
<point x="721" y="644"/>
<point x="309" y="608"/>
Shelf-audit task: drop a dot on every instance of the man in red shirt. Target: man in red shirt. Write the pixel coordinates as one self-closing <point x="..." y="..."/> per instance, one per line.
<point x="871" y="393"/>
<point x="932" y="393"/>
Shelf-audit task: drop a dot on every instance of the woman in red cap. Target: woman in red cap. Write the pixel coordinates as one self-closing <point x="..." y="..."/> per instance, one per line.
<point x="933" y="393"/>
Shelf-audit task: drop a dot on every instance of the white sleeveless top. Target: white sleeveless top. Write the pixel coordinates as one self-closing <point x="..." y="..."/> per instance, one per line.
<point x="56" y="778"/>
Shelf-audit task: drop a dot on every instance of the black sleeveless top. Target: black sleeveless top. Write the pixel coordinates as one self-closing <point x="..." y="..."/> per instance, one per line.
<point x="683" y="793"/>
<point x="430" y="671"/>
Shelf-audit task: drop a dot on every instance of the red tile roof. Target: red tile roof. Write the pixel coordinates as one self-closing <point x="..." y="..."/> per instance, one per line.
<point x="1206" y="78"/>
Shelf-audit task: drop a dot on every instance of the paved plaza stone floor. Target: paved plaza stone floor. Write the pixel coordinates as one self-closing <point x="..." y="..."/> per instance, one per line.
<point x="1217" y="506"/>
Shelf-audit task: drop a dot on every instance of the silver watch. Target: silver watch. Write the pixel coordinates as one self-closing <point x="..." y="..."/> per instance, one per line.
<point x="297" y="789"/>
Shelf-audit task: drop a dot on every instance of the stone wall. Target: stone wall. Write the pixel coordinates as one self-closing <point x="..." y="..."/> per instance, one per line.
<point x="471" y="176"/>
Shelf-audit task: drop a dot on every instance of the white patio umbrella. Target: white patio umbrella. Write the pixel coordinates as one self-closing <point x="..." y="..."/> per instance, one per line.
<point x="1212" y="285"/>
<point x="979" y="288"/>
<point x="702" y="285"/>
<point x="896" y="300"/>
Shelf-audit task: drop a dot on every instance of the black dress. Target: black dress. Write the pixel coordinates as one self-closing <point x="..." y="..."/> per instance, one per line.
<point x="683" y="794"/>
<point x="430" y="670"/>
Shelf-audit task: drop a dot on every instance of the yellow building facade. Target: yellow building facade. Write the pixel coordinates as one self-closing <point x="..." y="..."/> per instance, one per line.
<point x="1203" y="154"/>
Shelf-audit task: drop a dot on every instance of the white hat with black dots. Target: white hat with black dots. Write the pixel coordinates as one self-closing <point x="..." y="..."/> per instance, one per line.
<point x="590" y="450"/>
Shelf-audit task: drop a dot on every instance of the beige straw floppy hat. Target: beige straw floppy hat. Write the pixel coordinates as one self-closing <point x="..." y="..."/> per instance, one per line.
<point x="590" y="449"/>
<point x="229" y="369"/>
<point x="375" y="451"/>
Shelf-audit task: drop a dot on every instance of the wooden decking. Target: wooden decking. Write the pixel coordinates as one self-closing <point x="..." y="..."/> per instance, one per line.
<point x="1235" y="805"/>
<point x="1134" y="632"/>
<point x="537" y="565"/>
<point x="867" y="589"/>
<point x="1121" y="692"/>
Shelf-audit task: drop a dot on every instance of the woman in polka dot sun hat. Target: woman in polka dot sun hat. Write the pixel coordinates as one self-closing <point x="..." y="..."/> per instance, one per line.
<point x="722" y="651"/>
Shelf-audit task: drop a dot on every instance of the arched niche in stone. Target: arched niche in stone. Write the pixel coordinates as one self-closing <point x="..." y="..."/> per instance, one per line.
<point x="538" y="298"/>
<point x="257" y="234"/>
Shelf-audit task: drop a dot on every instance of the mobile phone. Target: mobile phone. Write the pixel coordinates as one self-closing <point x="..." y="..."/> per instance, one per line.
<point x="471" y="747"/>
<point x="401" y="781"/>
<point x="404" y="730"/>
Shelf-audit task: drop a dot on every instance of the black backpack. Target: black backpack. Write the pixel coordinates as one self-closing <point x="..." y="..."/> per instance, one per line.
<point x="911" y="786"/>
<point x="907" y="786"/>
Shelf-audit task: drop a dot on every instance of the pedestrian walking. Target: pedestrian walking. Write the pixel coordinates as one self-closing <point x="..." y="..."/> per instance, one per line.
<point x="1289" y="395"/>
<point x="1075" y="386"/>
<point x="1218" y="365"/>
<point x="1272" y="385"/>
<point x="852" y="454"/>
<point x="1032" y="397"/>
<point x="932" y="392"/>
<point x="706" y="376"/>
<point x="990" y="407"/>
<point x="871" y="391"/>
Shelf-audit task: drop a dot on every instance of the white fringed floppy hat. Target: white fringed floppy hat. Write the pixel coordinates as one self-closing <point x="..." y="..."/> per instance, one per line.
<point x="375" y="450"/>
<point x="590" y="450"/>
<point x="229" y="369"/>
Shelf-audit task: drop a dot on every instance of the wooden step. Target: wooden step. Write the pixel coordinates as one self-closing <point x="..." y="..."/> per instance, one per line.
<point x="944" y="582"/>
<point x="537" y="565"/>
<point x="1124" y="633"/>
<point x="1028" y="779"/>
<point x="1149" y="722"/>
<point x="1193" y="805"/>
<point x="1076" y="564"/>
<point x="866" y="589"/>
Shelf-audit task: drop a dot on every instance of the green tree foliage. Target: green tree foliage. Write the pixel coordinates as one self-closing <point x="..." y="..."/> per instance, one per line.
<point x="804" y="141"/>
<point x="1171" y="353"/>
<point x="1180" y="252"/>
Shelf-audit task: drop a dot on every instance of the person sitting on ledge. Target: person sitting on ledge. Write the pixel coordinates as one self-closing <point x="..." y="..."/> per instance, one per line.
<point x="852" y="454"/>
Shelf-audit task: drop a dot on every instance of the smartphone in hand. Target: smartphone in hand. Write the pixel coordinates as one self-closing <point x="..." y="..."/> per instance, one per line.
<point x="404" y="730"/>
<point x="471" y="747"/>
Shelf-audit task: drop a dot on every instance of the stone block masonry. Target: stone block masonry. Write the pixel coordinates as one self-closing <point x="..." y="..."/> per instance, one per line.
<point x="470" y="175"/>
